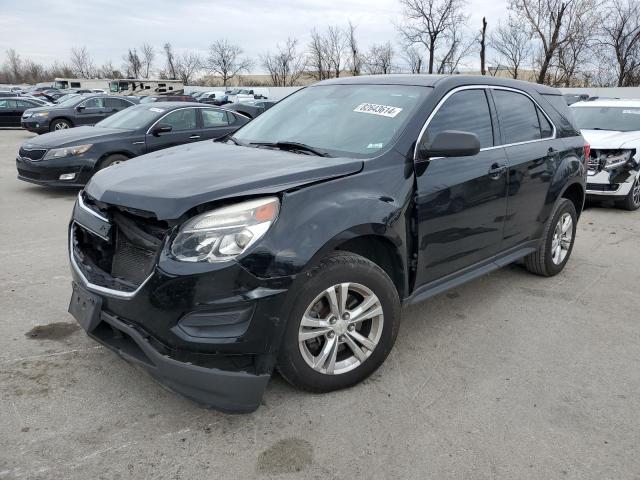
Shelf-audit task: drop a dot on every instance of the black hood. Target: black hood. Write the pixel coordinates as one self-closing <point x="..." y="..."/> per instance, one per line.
<point x="170" y="182"/>
<point x="71" y="136"/>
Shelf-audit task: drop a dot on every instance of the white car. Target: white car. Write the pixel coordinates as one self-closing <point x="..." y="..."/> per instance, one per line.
<point x="612" y="128"/>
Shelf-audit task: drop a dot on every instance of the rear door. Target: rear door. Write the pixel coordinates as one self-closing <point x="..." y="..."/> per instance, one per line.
<point x="21" y="106"/>
<point x="461" y="201"/>
<point x="184" y="129"/>
<point x="8" y="113"/>
<point x="533" y="152"/>
<point x="114" y="105"/>
<point x="92" y="113"/>
<point x="215" y="123"/>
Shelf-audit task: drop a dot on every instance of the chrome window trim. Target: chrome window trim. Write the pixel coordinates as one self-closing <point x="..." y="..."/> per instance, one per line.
<point x="485" y="87"/>
<point x="90" y="210"/>
<point x="98" y="288"/>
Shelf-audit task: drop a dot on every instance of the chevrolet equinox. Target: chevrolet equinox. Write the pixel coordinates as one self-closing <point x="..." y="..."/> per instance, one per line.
<point x="294" y="242"/>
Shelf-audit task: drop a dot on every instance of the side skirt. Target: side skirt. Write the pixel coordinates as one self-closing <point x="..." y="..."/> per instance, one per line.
<point x="470" y="273"/>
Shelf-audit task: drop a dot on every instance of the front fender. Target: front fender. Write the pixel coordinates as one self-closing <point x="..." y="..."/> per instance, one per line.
<point x="316" y="219"/>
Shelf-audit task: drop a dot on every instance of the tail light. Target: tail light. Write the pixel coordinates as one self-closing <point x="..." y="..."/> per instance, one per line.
<point x="587" y="154"/>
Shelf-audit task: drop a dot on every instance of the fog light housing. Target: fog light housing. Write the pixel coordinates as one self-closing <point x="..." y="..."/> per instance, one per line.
<point x="67" y="176"/>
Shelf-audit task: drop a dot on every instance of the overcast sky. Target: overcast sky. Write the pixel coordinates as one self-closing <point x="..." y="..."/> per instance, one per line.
<point x="46" y="30"/>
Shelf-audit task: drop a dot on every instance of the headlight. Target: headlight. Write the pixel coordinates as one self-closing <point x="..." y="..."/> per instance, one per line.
<point x="617" y="159"/>
<point x="67" y="151"/>
<point x="26" y="115"/>
<point x="225" y="233"/>
<point x="41" y="114"/>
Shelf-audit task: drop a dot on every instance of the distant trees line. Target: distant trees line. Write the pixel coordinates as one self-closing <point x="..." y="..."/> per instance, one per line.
<point x="556" y="42"/>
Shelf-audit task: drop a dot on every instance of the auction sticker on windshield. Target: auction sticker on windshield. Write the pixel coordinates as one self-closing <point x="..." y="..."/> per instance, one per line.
<point x="156" y="110"/>
<point x="383" y="110"/>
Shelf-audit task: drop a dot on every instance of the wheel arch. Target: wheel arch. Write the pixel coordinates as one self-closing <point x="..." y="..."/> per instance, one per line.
<point x="575" y="192"/>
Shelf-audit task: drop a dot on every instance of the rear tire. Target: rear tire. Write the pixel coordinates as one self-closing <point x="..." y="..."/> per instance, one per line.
<point x="557" y="242"/>
<point x="348" y="342"/>
<point x="60" y="124"/>
<point x="632" y="200"/>
<point x="112" y="160"/>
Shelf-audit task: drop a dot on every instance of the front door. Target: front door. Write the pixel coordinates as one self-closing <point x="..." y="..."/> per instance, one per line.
<point x="461" y="201"/>
<point x="90" y="112"/>
<point x="184" y="129"/>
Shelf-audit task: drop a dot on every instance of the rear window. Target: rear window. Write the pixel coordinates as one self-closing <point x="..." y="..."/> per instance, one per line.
<point x="518" y="117"/>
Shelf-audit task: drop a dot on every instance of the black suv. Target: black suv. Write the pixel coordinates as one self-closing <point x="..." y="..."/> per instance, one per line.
<point x="75" y="111"/>
<point x="295" y="242"/>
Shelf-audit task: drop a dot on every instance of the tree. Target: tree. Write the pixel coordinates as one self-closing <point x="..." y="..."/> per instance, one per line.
<point x="285" y="66"/>
<point x="224" y="60"/>
<point x="511" y="41"/>
<point x="426" y="22"/>
<point x="148" y="56"/>
<point x="459" y="47"/>
<point x="335" y="41"/>
<point x="14" y="65"/>
<point x="107" y="70"/>
<point x="621" y="39"/>
<point x="317" y="61"/>
<point x="554" y="23"/>
<point x="186" y="65"/>
<point x="133" y="64"/>
<point x="413" y="58"/>
<point x="171" y="72"/>
<point x="81" y="63"/>
<point x="483" y="46"/>
<point x="379" y="59"/>
<point x="355" y="60"/>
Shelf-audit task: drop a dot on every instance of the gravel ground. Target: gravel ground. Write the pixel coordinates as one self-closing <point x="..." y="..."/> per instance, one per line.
<point x="510" y="376"/>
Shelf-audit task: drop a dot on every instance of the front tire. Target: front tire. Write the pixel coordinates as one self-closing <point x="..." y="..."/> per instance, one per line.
<point x="60" y="124"/>
<point x="557" y="243"/>
<point x="343" y="324"/>
<point x="114" y="159"/>
<point x="632" y="200"/>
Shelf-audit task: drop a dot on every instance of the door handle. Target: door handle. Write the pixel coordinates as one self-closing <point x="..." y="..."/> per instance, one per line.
<point x="193" y="137"/>
<point x="497" y="170"/>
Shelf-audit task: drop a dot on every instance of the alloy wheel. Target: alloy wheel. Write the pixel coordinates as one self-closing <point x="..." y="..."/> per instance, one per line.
<point x="636" y="192"/>
<point x="562" y="238"/>
<point x="341" y="328"/>
<point x="61" y="126"/>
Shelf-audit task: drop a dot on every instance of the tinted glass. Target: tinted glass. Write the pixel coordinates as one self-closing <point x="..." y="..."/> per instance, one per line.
<point x="116" y="103"/>
<point x="518" y="117"/>
<point x="545" y="125"/>
<point x="25" y="104"/>
<point x="133" y="118"/>
<point x="343" y="120"/>
<point x="4" y="104"/>
<point x="467" y="111"/>
<point x="184" y="119"/>
<point x="621" y="119"/>
<point x="214" y="118"/>
<point x="97" y="102"/>
<point x="567" y="125"/>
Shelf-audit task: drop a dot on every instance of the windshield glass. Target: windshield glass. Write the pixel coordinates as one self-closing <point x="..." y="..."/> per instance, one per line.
<point x="132" y="118"/>
<point x="69" y="100"/>
<point x="622" y="119"/>
<point x="343" y="120"/>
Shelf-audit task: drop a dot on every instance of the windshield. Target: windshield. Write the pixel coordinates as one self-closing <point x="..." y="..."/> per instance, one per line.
<point x="343" y="120"/>
<point x="621" y="119"/>
<point x="132" y="118"/>
<point x="68" y="100"/>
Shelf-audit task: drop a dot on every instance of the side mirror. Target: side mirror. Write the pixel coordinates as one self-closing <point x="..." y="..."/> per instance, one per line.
<point x="80" y="108"/>
<point x="449" y="143"/>
<point x="161" y="128"/>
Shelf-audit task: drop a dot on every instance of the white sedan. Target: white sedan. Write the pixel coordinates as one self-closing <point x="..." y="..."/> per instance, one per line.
<point x="612" y="128"/>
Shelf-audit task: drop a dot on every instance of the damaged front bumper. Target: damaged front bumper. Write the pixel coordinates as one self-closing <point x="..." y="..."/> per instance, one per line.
<point x="611" y="183"/>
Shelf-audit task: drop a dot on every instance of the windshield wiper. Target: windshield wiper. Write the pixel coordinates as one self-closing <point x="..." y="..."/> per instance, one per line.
<point x="292" y="146"/>
<point x="227" y="137"/>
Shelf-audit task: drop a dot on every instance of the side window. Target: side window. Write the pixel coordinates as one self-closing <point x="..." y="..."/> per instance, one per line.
<point x="545" y="125"/>
<point x="518" y="117"/>
<point x="214" y="118"/>
<point x="75" y="84"/>
<point x="97" y="102"/>
<point x="183" y="119"/>
<point x="22" y="103"/>
<point x="4" y="104"/>
<point x="116" y="103"/>
<point x="467" y="111"/>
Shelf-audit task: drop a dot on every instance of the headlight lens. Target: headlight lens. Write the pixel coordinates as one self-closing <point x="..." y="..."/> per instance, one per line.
<point x="41" y="114"/>
<point x="26" y="115"/>
<point x="617" y="159"/>
<point x="225" y="233"/>
<point x="67" y="151"/>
